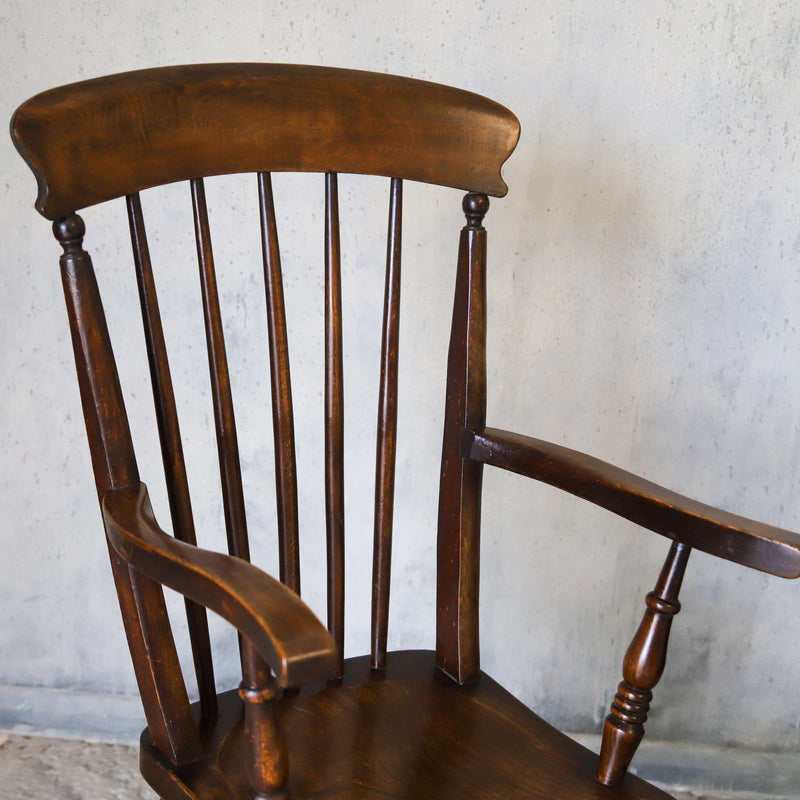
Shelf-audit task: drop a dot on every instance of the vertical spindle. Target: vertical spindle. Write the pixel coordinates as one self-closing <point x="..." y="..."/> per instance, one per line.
<point x="387" y="431"/>
<point x="282" y="412"/>
<point x="334" y="416"/>
<point x="225" y="423"/>
<point x="171" y="448"/>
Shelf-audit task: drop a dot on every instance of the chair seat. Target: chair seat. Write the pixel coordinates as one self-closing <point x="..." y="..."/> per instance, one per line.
<point x="407" y="732"/>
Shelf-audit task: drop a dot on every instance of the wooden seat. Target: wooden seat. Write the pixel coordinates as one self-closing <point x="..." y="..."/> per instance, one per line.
<point x="305" y="721"/>
<point x="406" y="731"/>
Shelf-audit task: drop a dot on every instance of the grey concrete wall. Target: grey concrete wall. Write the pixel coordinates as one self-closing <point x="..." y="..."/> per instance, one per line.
<point x="644" y="296"/>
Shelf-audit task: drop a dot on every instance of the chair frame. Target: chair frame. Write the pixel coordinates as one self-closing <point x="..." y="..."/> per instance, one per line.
<point x="116" y="136"/>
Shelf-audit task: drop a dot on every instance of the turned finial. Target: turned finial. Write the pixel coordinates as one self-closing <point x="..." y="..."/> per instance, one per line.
<point x="475" y="207"/>
<point x="69" y="231"/>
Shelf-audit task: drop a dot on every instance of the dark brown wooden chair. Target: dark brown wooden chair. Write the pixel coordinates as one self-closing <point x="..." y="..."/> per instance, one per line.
<point x="303" y="720"/>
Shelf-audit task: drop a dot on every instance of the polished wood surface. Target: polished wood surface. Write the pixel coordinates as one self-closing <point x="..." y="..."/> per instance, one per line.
<point x="386" y="446"/>
<point x="108" y="137"/>
<point x="458" y="546"/>
<point x="304" y="722"/>
<point x="642" y="669"/>
<point x="266" y="762"/>
<point x="406" y="732"/>
<point x="141" y="600"/>
<point x="281" y="386"/>
<point x="334" y="416"/>
<point x="712" y="530"/>
<point x="286" y="633"/>
<point x="171" y="447"/>
<point x="230" y="470"/>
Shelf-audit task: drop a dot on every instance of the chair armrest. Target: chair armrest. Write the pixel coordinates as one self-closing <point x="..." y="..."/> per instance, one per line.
<point x="729" y="536"/>
<point x="280" y="625"/>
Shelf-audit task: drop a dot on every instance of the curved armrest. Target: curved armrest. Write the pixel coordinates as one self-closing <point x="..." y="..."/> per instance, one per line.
<point x="280" y="625"/>
<point x="704" y="527"/>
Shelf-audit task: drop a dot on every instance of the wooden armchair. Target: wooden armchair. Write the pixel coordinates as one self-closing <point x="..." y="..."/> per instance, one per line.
<point x="304" y="720"/>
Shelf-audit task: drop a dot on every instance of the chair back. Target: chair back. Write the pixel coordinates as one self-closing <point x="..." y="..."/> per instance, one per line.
<point x="117" y="136"/>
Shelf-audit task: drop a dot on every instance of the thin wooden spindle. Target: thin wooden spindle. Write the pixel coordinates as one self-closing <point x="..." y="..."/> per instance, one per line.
<point x="171" y="447"/>
<point x="334" y="417"/>
<point x="227" y="443"/>
<point x="387" y="432"/>
<point x="267" y="768"/>
<point x="282" y="413"/>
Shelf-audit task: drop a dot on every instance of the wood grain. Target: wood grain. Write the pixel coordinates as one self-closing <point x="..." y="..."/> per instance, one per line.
<point x="413" y="725"/>
<point x="169" y="435"/>
<point x="703" y="527"/>
<point x="408" y="733"/>
<point x="230" y="469"/>
<point x="144" y="613"/>
<point x="458" y="544"/>
<point x="285" y="632"/>
<point x="108" y="137"/>
<point x="281" y="386"/>
<point x="386" y="446"/>
<point x="334" y="415"/>
<point x="641" y="671"/>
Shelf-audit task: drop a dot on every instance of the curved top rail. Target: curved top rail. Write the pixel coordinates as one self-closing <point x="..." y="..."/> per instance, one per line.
<point x="98" y="139"/>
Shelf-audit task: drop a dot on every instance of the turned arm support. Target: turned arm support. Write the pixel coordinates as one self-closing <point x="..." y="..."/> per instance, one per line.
<point x="293" y="642"/>
<point x="719" y="533"/>
<point x="642" y="668"/>
<point x="688" y="523"/>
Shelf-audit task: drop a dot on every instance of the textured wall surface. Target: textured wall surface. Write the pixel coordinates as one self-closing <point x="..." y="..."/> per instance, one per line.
<point x="644" y="295"/>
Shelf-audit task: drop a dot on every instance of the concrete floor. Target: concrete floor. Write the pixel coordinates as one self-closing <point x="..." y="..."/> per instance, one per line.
<point x="34" y="768"/>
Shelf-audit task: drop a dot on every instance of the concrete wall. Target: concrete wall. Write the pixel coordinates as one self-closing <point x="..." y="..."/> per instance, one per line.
<point x="644" y="291"/>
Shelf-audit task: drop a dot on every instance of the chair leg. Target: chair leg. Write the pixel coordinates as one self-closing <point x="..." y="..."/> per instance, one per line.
<point x="642" y="669"/>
